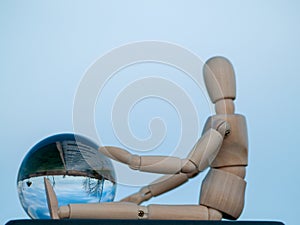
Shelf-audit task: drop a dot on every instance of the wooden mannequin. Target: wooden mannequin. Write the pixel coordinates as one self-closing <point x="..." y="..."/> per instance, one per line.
<point x="222" y="147"/>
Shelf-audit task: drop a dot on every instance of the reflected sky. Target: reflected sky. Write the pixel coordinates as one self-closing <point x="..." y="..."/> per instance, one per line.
<point x="69" y="189"/>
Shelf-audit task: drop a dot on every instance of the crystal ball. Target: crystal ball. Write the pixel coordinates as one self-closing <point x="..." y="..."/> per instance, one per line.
<point x="76" y="170"/>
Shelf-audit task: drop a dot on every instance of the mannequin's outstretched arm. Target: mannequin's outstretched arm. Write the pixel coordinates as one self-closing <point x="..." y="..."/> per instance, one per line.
<point x="199" y="158"/>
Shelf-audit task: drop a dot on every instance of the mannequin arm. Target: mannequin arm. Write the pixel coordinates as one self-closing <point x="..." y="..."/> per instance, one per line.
<point x="198" y="159"/>
<point x="153" y="164"/>
<point x="202" y="154"/>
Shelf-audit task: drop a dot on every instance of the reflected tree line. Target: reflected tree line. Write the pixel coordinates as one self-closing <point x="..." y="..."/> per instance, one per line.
<point x="93" y="187"/>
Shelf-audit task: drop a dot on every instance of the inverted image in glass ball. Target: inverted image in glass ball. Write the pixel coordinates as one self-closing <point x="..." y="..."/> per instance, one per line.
<point x="78" y="172"/>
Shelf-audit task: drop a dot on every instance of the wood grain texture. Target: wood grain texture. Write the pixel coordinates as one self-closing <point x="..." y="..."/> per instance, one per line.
<point x="224" y="106"/>
<point x="206" y="149"/>
<point x="178" y="212"/>
<point x="51" y="199"/>
<point x="109" y="210"/>
<point x="219" y="79"/>
<point x="223" y="191"/>
<point x="234" y="149"/>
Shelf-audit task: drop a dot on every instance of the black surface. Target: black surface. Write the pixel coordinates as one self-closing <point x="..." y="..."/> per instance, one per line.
<point x="137" y="222"/>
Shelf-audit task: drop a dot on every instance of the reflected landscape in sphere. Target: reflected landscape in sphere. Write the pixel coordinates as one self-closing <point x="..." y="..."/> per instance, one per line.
<point x="75" y="169"/>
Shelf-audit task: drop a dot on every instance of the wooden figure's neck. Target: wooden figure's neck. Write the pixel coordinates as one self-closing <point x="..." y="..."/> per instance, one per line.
<point x="224" y="106"/>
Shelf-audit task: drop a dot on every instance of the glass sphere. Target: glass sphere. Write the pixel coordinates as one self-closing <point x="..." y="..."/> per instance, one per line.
<point x="76" y="170"/>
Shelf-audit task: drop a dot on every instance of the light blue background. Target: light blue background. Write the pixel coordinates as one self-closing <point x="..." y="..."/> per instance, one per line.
<point x="46" y="46"/>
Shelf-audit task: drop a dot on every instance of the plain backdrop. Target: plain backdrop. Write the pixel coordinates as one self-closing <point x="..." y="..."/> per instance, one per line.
<point x="46" y="47"/>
